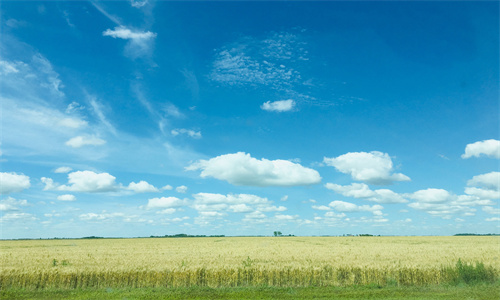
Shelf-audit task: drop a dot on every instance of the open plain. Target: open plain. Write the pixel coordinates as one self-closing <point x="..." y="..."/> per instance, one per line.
<point x="248" y="262"/>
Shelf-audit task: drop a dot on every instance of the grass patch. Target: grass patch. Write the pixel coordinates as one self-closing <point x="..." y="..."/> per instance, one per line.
<point x="479" y="291"/>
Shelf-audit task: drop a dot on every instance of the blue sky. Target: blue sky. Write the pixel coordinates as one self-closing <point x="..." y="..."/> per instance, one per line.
<point x="139" y="118"/>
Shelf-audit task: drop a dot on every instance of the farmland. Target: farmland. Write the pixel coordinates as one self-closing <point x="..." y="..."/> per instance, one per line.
<point x="225" y="262"/>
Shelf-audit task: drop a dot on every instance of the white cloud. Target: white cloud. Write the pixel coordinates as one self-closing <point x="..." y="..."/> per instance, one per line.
<point x="173" y="111"/>
<point x="80" y="141"/>
<point x="167" y="187"/>
<point x="63" y="170"/>
<point x="278" y="106"/>
<point x="493" y="219"/>
<point x="286" y="217"/>
<point x="99" y="217"/>
<point x="484" y="186"/>
<point x="321" y="207"/>
<point x="165" y="202"/>
<point x="350" y="207"/>
<point x="253" y="61"/>
<point x="181" y="189"/>
<point x="482" y="193"/>
<point x="66" y="197"/>
<point x="14" y="217"/>
<point x="167" y="211"/>
<point x="73" y="107"/>
<point x="140" y="43"/>
<point x="374" y="167"/>
<point x="125" y="33"/>
<point x="8" y="67"/>
<point x="241" y="169"/>
<point x="98" y="108"/>
<point x="491" y="210"/>
<point x="241" y="203"/>
<point x="13" y="182"/>
<point x="188" y="132"/>
<point x="72" y="123"/>
<point x="11" y="204"/>
<point x="332" y="214"/>
<point x="138" y="3"/>
<point x="53" y="81"/>
<point x="84" y="181"/>
<point x="489" y="148"/>
<point x="441" y="203"/>
<point x="273" y="63"/>
<point x="240" y="208"/>
<point x="362" y="191"/>
<point x="431" y="196"/>
<point x="142" y="187"/>
<point x="489" y="181"/>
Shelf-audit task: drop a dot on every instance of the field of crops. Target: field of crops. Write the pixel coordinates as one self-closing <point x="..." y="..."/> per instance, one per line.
<point x="247" y="261"/>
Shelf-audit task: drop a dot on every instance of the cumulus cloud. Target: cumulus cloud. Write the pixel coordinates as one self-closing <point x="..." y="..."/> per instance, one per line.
<point x="181" y="189"/>
<point x="489" y="180"/>
<point x="188" y="132"/>
<point x="142" y="187"/>
<point x="84" y="181"/>
<point x="441" y="203"/>
<point x="100" y="217"/>
<point x="241" y="203"/>
<point x="351" y="207"/>
<point x="80" y="141"/>
<point x="278" y="106"/>
<point x="139" y="44"/>
<point x="11" y="204"/>
<point x="165" y="202"/>
<point x="240" y="208"/>
<point x="167" y="187"/>
<point x="17" y="217"/>
<point x="491" y="210"/>
<point x="374" y="167"/>
<point x="431" y="196"/>
<point x="63" y="170"/>
<point x="13" y="182"/>
<point x="66" y="197"/>
<point x="490" y="148"/>
<point x="362" y="191"/>
<point x="484" y="186"/>
<point x="242" y="169"/>
<point x="321" y="207"/>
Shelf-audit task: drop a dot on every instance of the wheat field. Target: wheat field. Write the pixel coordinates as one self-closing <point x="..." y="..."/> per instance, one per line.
<point x="243" y="261"/>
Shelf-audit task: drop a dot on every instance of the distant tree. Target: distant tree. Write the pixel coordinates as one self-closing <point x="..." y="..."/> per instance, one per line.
<point x="278" y="233"/>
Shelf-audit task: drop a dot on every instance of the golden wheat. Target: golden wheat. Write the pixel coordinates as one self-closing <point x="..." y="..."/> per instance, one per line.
<point x="241" y="261"/>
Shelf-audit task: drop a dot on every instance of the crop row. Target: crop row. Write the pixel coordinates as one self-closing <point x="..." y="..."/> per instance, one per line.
<point x="251" y="276"/>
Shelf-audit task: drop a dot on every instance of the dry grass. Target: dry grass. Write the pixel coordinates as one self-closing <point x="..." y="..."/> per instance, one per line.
<point x="248" y="261"/>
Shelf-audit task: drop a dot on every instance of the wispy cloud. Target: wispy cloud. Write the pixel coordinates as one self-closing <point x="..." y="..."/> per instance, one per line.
<point x="273" y="62"/>
<point x="110" y="17"/>
<point x="98" y="111"/>
<point x="138" y="3"/>
<point x="80" y="141"/>
<point x="188" y="132"/>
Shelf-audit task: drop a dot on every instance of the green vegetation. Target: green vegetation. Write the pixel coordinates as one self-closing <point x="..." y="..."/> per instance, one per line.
<point x="483" y="292"/>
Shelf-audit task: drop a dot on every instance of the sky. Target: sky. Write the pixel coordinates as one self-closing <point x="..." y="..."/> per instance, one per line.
<point x="150" y="118"/>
